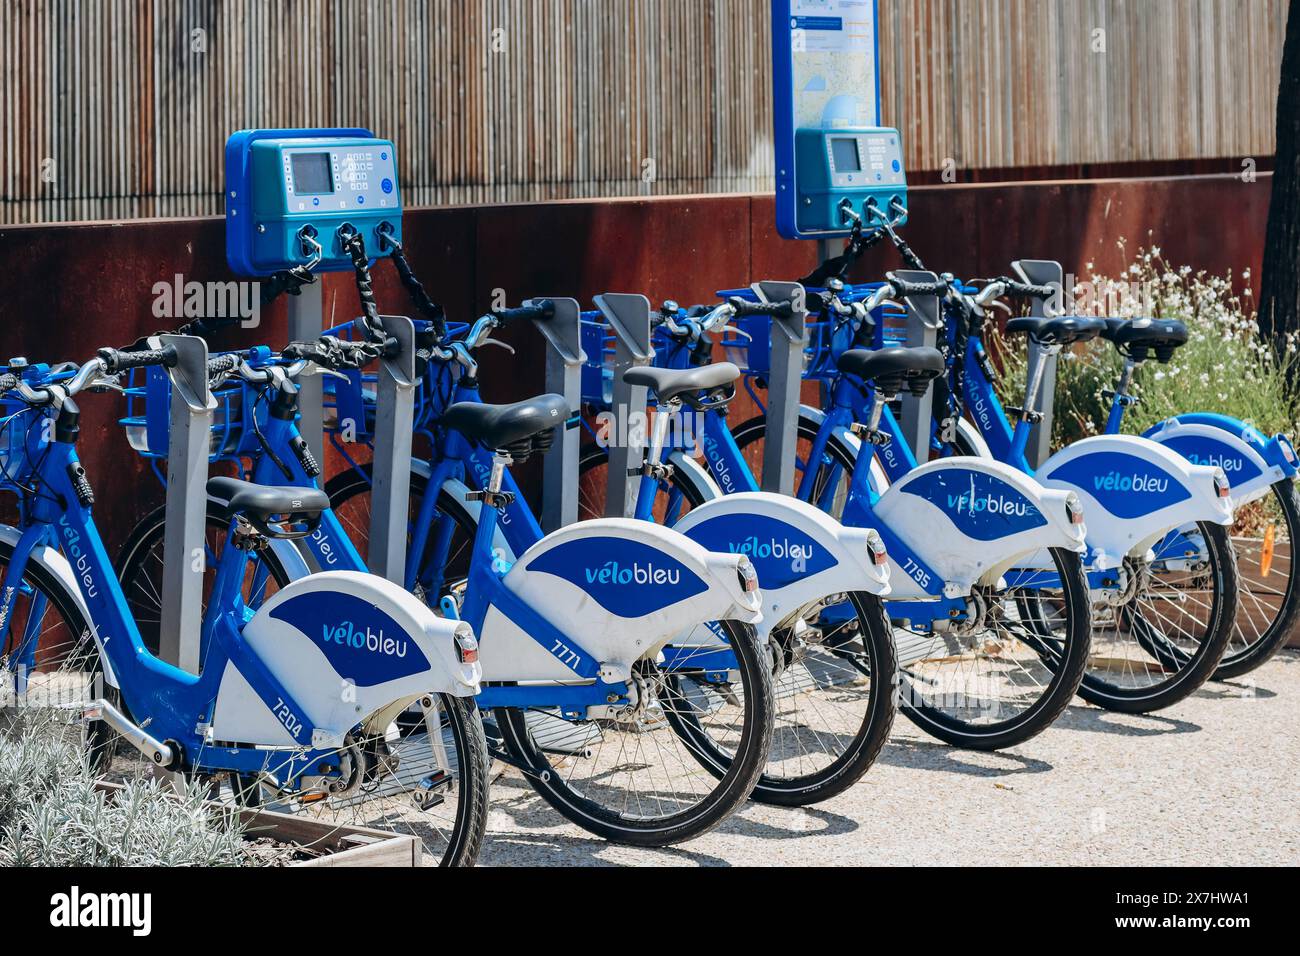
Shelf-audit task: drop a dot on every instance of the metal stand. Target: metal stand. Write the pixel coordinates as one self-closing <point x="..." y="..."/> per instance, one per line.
<point x="629" y="318"/>
<point x="306" y="322"/>
<point x="788" y="336"/>
<point x="924" y="321"/>
<point x="394" y="426"/>
<point x="1041" y="272"/>
<point x="184" y="544"/>
<point x="564" y="359"/>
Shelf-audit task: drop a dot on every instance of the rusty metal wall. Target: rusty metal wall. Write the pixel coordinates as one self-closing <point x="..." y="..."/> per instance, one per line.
<point x="119" y="108"/>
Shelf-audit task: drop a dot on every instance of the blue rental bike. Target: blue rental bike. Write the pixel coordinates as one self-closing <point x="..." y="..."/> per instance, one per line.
<point x="989" y="604"/>
<point x="308" y="702"/>
<point x="1260" y="469"/>
<point x="1162" y="574"/>
<point x="606" y="689"/>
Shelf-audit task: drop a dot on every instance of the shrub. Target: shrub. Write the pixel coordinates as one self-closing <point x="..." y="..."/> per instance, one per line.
<point x="52" y="814"/>
<point x="1225" y="366"/>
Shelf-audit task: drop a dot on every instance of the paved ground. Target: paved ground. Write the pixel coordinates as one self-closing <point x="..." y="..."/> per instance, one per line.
<point x="1214" y="780"/>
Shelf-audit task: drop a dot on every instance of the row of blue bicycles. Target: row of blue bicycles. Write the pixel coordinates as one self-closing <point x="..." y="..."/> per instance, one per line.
<point x="645" y="675"/>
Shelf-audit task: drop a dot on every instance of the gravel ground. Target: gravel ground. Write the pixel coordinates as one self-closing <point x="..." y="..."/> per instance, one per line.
<point x="1210" y="781"/>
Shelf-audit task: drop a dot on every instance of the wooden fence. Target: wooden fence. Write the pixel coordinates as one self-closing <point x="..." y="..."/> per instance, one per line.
<point x="119" y="108"/>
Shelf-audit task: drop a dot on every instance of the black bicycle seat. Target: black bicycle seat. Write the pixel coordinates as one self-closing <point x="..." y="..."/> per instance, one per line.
<point x="1136" y="337"/>
<point x="669" y="383"/>
<point x="275" y="511"/>
<point x="507" y="426"/>
<point x="1063" y="330"/>
<point x="892" y="369"/>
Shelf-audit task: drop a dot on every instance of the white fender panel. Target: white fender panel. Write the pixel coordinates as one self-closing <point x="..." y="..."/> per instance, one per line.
<point x="971" y="518"/>
<point x="1249" y="474"/>
<point x="343" y="644"/>
<point x="620" y="589"/>
<point x="1134" y="490"/>
<point x="801" y="554"/>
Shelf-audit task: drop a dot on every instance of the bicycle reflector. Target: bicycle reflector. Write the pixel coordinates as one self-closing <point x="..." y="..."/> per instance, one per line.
<point x="1074" y="508"/>
<point x="466" y="644"/>
<point x="1221" y="486"/>
<point x="876" y="548"/>
<point x="747" y="575"/>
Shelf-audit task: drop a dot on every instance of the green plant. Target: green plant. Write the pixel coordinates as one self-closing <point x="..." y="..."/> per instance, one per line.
<point x="1226" y="366"/>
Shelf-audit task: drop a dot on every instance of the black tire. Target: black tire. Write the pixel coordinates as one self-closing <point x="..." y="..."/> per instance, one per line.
<point x="736" y="776"/>
<point x="65" y="639"/>
<point x="466" y="838"/>
<point x="1188" y="662"/>
<point x="737" y="773"/>
<point x="1062" y="656"/>
<point x="140" y="562"/>
<point x="1261" y="604"/>
<point x="868" y="654"/>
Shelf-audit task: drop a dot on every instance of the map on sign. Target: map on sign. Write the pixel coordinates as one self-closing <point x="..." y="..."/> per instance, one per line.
<point x="833" y="63"/>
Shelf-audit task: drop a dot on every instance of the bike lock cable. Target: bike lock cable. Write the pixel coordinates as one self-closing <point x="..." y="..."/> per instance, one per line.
<point x="415" y="289"/>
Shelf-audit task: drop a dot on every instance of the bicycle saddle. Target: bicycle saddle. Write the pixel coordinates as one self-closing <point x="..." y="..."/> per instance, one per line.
<point x="277" y="512"/>
<point x="1136" y="336"/>
<point x="1063" y="330"/>
<point x="669" y="383"/>
<point x="508" y="427"/>
<point x="893" y="368"/>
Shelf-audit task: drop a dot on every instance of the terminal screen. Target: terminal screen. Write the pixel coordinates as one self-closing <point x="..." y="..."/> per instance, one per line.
<point x="311" y="173"/>
<point x="844" y="153"/>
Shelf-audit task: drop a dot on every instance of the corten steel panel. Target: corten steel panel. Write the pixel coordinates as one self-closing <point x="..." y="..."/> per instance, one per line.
<point x="69" y="289"/>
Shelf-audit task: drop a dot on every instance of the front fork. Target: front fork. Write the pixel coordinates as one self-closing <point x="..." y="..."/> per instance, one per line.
<point x="22" y="660"/>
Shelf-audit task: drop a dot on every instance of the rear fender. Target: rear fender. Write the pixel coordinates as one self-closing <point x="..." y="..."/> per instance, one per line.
<point x="621" y="589"/>
<point x="801" y="554"/>
<point x="1133" y="491"/>
<point x="970" y="519"/>
<point x="344" y="645"/>
<point x="1252" y="461"/>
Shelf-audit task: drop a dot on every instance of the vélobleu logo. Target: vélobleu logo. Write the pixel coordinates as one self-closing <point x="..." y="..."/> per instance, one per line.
<point x="1228" y="463"/>
<point x="780" y="552"/>
<point x="624" y="576"/>
<point x="1142" y="483"/>
<point x="611" y="572"/>
<point x="1125" y="485"/>
<point x="360" y="640"/>
<point x="980" y="505"/>
<point x="349" y="635"/>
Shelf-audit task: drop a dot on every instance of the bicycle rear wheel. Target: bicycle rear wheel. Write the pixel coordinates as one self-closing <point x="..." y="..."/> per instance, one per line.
<point x="1003" y="672"/>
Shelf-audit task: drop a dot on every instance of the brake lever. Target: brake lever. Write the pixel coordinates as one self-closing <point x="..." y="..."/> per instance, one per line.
<point x="491" y="341"/>
<point x="737" y="330"/>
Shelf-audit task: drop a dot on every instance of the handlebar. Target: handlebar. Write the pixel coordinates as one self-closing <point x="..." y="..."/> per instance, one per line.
<point x="117" y="361"/>
<point x="527" y="313"/>
<point x="996" y="288"/>
<point x="8" y="382"/>
<point x="777" y="310"/>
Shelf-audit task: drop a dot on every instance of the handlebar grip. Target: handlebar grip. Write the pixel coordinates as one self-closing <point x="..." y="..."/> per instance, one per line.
<point x="116" y="361"/>
<point x="777" y="310"/>
<point x="8" y="382"/>
<point x="307" y="351"/>
<point x="918" y="288"/>
<point x="222" y="363"/>
<point x="526" y="313"/>
<point x="1026" y="290"/>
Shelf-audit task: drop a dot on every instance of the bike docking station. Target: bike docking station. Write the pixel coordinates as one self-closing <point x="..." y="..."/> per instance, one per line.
<point x="562" y="331"/>
<point x="189" y="442"/>
<point x="787" y="339"/>
<point x="1042" y="361"/>
<point x="628" y="318"/>
<point x="922" y="327"/>
<point x="304" y="201"/>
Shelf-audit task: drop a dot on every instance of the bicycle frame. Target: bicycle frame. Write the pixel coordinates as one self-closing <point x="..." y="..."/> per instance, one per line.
<point x="172" y="697"/>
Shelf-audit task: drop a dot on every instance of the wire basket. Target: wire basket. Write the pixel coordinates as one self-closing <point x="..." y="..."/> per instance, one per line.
<point x="148" y="417"/>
